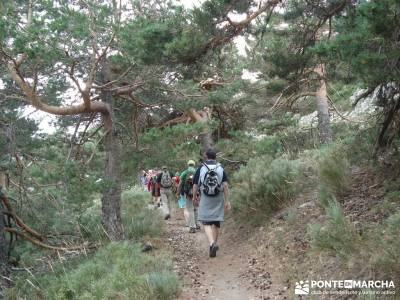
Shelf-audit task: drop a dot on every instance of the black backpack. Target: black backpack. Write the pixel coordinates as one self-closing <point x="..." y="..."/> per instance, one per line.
<point x="166" y="180"/>
<point x="188" y="185"/>
<point x="211" y="183"/>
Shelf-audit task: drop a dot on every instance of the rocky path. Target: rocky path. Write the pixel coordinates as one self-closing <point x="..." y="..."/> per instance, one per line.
<point x="232" y="275"/>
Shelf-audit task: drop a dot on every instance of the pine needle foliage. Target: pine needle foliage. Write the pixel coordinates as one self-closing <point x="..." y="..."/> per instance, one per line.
<point x="263" y="186"/>
<point x="333" y="168"/>
<point x="337" y="235"/>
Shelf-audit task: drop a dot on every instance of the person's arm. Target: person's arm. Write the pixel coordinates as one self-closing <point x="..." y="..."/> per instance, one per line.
<point x="225" y="186"/>
<point x="182" y="178"/>
<point x="195" y="195"/>
<point x="196" y="182"/>
<point x="227" y="203"/>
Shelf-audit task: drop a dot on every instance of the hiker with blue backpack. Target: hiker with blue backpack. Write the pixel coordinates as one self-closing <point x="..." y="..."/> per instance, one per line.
<point x="211" y="181"/>
<point x="185" y="190"/>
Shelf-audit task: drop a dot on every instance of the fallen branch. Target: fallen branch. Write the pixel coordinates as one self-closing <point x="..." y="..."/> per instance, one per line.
<point x="45" y="246"/>
<point x="340" y="114"/>
<point x="242" y="162"/>
<point x="18" y="220"/>
<point x="362" y="96"/>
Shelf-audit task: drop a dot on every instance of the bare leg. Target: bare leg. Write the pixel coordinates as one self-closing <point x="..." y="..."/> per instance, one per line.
<point x="196" y="218"/>
<point x="208" y="229"/>
<point x="190" y="209"/>
<point x="186" y="215"/>
<point x="215" y="231"/>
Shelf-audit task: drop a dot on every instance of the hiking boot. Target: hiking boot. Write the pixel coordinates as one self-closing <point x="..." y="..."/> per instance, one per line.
<point x="213" y="250"/>
<point x="198" y="227"/>
<point x="167" y="217"/>
<point x="192" y="230"/>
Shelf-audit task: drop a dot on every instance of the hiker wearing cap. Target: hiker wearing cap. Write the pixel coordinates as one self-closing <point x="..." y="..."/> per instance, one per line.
<point x="185" y="190"/>
<point x="164" y="179"/>
<point x="212" y="182"/>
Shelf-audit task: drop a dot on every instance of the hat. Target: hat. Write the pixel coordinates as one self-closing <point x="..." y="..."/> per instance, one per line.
<point x="164" y="167"/>
<point x="191" y="162"/>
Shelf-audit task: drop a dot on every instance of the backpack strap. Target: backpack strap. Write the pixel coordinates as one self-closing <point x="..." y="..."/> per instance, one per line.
<point x="201" y="180"/>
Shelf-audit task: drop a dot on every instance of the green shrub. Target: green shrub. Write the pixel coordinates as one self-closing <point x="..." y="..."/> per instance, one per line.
<point x="134" y="199"/>
<point x="333" y="171"/>
<point x="336" y="235"/>
<point x="291" y="218"/>
<point x="137" y="219"/>
<point x="263" y="186"/>
<point x="144" y="223"/>
<point x="325" y="197"/>
<point x="90" y="222"/>
<point x="163" y="284"/>
<point x="117" y="271"/>
<point x="386" y="257"/>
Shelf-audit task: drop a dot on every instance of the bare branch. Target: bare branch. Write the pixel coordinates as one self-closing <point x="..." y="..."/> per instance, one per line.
<point x="339" y="113"/>
<point x="17" y="219"/>
<point x="362" y="95"/>
<point x="104" y="86"/>
<point x="45" y="246"/>
<point x="36" y="101"/>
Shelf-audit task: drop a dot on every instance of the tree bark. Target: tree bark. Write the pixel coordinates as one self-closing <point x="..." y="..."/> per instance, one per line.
<point x="324" y="122"/>
<point x="207" y="141"/>
<point x="111" y="199"/>
<point x="3" y="251"/>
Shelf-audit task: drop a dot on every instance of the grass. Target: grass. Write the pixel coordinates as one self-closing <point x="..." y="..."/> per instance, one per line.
<point x="384" y="259"/>
<point x="336" y="235"/>
<point x="333" y="168"/>
<point x="138" y="221"/>
<point x="118" y="271"/>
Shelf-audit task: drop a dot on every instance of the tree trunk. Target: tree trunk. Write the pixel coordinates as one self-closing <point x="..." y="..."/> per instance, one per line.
<point x="3" y="251"/>
<point x="324" y="122"/>
<point x="207" y="141"/>
<point x="111" y="199"/>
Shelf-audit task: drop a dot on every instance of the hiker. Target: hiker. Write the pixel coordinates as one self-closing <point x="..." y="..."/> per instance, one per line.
<point x="164" y="179"/>
<point x="144" y="179"/>
<point x="175" y="180"/>
<point x="185" y="189"/>
<point x="181" y="199"/>
<point x="212" y="182"/>
<point x="154" y="189"/>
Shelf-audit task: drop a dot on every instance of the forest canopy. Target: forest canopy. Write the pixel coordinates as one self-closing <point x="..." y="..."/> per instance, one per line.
<point x="135" y="85"/>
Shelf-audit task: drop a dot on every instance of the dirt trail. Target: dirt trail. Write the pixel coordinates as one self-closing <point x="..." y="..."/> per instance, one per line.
<point x="225" y="277"/>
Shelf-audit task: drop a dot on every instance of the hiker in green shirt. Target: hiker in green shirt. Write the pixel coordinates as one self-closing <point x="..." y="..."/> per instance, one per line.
<point x="186" y="189"/>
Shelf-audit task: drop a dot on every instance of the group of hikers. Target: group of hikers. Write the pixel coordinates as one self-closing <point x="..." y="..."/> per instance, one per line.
<point x="202" y="192"/>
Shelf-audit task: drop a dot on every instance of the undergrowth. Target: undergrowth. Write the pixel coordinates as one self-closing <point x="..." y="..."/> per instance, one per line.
<point x="118" y="271"/>
<point x="137" y="220"/>
<point x="336" y="234"/>
<point x="262" y="187"/>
